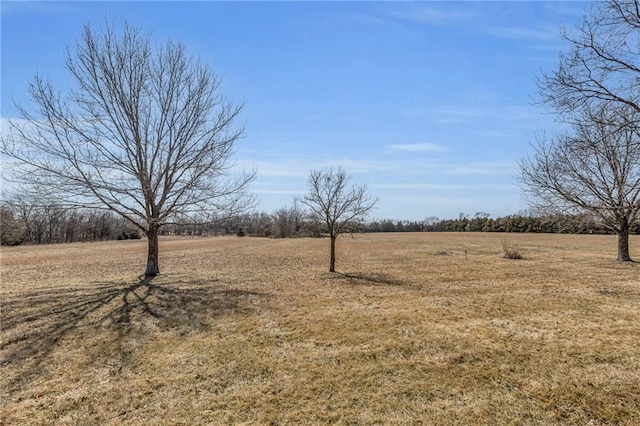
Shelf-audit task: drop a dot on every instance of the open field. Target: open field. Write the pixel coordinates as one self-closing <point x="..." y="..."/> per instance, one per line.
<point x="255" y="331"/>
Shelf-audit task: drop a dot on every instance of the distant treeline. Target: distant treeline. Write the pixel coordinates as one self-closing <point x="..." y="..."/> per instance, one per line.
<point x="25" y="223"/>
<point x="33" y="224"/>
<point x="514" y="223"/>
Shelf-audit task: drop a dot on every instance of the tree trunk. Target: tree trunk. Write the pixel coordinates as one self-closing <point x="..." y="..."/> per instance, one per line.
<point x="623" y="243"/>
<point x="153" y="267"/>
<point x="332" y="265"/>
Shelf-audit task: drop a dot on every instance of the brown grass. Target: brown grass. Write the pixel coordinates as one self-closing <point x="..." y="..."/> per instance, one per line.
<point x="255" y="331"/>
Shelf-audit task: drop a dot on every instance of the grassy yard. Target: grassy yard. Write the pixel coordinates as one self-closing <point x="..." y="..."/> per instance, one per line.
<point x="414" y="329"/>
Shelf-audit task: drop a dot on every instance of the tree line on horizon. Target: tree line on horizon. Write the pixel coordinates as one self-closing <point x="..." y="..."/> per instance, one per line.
<point x="30" y="223"/>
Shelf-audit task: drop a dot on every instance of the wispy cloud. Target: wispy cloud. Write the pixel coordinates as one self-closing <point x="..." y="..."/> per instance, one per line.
<point x="434" y="14"/>
<point x="546" y="33"/>
<point x="462" y="111"/>
<point x="440" y="186"/>
<point x="569" y="9"/>
<point x="417" y="147"/>
<point x="300" y="167"/>
<point x="42" y="7"/>
<point x="285" y="167"/>
<point x="490" y="18"/>
<point x="498" y="134"/>
<point x="278" y="191"/>
<point x="483" y="169"/>
<point x="457" y="114"/>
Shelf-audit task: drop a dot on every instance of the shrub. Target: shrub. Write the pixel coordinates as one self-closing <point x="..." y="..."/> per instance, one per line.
<point x="129" y="235"/>
<point x="510" y="251"/>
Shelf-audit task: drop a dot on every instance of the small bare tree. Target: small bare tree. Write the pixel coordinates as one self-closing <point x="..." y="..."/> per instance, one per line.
<point x="595" y="168"/>
<point x="336" y="204"/>
<point x="143" y="131"/>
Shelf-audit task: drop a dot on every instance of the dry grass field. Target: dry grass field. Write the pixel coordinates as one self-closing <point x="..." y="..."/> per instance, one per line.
<point x="255" y="331"/>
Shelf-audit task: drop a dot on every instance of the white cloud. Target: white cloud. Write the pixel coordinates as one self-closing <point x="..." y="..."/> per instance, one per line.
<point x="498" y="134"/>
<point x="41" y="7"/>
<point x="441" y="186"/>
<point x="483" y="169"/>
<point x="570" y="9"/>
<point x="300" y="167"/>
<point x="462" y="111"/>
<point x="457" y="114"/>
<point x="274" y="169"/>
<point x="436" y="15"/>
<point x="547" y="33"/>
<point x="417" y="147"/>
<point x="278" y="191"/>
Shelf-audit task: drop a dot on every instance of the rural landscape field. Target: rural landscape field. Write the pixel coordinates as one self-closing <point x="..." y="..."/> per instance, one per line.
<point x="423" y="328"/>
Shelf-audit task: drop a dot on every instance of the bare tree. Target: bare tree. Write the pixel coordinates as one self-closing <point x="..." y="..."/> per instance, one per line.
<point x="594" y="168"/>
<point x="11" y="232"/>
<point x="143" y="131"/>
<point x="287" y="221"/>
<point x="596" y="90"/>
<point x="335" y="204"/>
<point x="602" y="64"/>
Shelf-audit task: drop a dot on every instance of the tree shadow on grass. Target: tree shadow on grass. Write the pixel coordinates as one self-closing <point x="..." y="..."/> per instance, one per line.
<point x="108" y="314"/>
<point x="369" y="278"/>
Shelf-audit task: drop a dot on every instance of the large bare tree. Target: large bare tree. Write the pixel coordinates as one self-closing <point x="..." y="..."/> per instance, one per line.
<point x="602" y="63"/>
<point x="142" y="131"/>
<point x="596" y="91"/>
<point x="594" y="168"/>
<point x="337" y="204"/>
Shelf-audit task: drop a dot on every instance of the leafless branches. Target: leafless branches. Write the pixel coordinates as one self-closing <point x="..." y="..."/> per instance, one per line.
<point x="602" y="63"/>
<point x="594" y="168"/>
<point x="337" y="205"/>
<point x="143" y="132"/>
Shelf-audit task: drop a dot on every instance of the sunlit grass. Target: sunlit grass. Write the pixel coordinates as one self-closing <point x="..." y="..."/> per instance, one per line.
<point x="414" y="328"/>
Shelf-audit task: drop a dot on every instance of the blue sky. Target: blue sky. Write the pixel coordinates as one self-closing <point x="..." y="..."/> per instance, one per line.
<point x="428" y="103"/>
